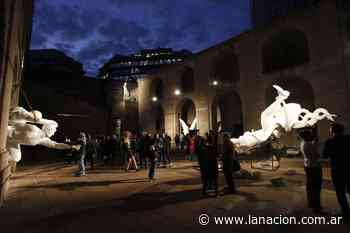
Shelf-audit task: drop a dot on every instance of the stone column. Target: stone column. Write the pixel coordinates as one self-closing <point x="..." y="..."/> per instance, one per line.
<point x="114" y="91"/>
<point x="5" y="101"/>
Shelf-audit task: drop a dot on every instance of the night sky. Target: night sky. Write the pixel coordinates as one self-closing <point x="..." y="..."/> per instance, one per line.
<point x="93" y="31"/>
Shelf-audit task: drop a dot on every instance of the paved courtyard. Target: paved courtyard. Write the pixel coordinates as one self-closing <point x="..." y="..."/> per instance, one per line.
<point x="47" y="198"/>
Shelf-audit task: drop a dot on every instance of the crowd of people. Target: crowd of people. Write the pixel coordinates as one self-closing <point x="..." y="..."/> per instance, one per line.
<point x="147" y="151"/>
<point x="207" y="151"/>
<point x="129" y="151"/>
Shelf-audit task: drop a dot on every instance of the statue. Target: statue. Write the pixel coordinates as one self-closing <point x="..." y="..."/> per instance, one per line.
<point x="280" y="117"/>
<point x="185" y="128"/>
<point x="126" y="94"/>
<point x="24" y="129"/>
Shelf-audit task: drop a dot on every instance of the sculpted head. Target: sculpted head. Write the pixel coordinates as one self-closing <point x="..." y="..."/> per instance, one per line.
<point x="50" y="128"/>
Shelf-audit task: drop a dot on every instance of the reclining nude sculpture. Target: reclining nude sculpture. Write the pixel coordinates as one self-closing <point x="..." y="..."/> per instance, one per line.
<point x="23" y="130"/>
<point x="279" y="117"/>
<point x="185" y="128"/>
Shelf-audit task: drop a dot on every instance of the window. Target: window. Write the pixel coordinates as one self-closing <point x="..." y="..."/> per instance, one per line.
<point x="157" y="88"/>
<point x="285" y="50"/>
<point x="187" y="80"/>
<point x="226" y="68"/>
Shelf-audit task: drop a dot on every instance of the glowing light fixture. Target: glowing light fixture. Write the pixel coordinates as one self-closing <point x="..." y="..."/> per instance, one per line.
<point x="177" y="92"/>
<point x="154" y="98"/>
<point x="215" y="83"/>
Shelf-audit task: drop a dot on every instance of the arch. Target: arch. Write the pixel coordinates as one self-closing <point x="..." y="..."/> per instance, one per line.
<point x="186" y="110"/>
<point x="285" y="49"/>
<point x="301" y="92"/>
<point x="225" y="68"/>
<point x="159" y="123"/>
<point x="157" y="88"/>
<point x="187" y="80"/>
<point x="227" y="111"/>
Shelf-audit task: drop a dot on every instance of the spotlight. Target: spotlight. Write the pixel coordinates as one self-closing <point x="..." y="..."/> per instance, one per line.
<point x="215" y="83"/>
<point x="177" y="92"/>
<point x="154" y="99"/>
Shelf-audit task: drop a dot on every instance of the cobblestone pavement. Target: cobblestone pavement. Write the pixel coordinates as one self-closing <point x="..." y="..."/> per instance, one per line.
<point x="47" y="198"/>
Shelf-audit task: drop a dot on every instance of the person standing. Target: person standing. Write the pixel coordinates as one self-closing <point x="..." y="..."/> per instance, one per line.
<point x="167" y="149"/>
<point x="113" y="147"/>
<point x="150" y="153"/>
<point x="182" y="142"/>
<point x="159" y="148"/>
<point x="228" y="154"/>
<point x="82" y="153"/>
<point x="91" y="150"/>
<point x="177" y="142"/>
<point x="142" y="150"/>
<point x="107" y="150"/>
<point x="220" y="143"/>
<point x="191" y="146"/>
<point x="211" y="167"/>
<point x="200" y="152"/>
<point x="131" y="160"/>
<point x="313" y="170"/>
<point x="336" y="148"/>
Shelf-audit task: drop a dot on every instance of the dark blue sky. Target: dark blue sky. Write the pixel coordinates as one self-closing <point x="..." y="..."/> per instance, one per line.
<point x="93" y="31"/>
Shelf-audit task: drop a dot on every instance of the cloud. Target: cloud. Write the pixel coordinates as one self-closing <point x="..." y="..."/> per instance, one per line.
<point x="97" y="52"/>
<point x="68" y="22"/>
<point x="93" y="32"/>
<point x="119" y="29"/>
<point x="38" y="40"/>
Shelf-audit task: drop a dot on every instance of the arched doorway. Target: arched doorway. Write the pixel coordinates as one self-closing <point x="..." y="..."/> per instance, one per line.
<point x="186" y="110"/>
<point x="227" y="113"/>
<point x="159" y="123"/>
<point x="301" y="92"/>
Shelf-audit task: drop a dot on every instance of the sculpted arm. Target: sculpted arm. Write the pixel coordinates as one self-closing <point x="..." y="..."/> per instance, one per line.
<point x="54" y="145"/>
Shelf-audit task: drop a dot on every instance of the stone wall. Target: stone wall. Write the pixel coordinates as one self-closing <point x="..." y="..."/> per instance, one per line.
<point x="325" y="72"/>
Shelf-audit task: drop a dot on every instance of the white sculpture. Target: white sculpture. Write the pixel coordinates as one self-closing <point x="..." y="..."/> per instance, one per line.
<point x="185" y="128"/>
<point x="277" y="116"/>
<point x="23" y="130"/>
<point x="126" y="94"/>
